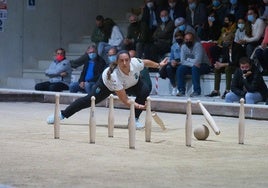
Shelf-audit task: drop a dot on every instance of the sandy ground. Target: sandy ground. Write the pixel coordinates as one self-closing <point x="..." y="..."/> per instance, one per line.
<point x="31" y="157"/>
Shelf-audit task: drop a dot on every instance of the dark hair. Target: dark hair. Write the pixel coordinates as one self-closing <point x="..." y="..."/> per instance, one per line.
<point x="244" y="60"/>
<point x="61" y="49"/>
<point x="108" y="27"/>
<point x="99" y="18"/>
<point x="113" y="65"/>
<point x="230" y="17"/>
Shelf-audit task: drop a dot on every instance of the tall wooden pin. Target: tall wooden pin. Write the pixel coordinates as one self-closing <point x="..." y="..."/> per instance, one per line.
<point x="111" y="117"/>
<point x="148" y="121"/>
<point x="92" y="122"/>
<point x="131" y="126"/>
<point x="241" y="124"/>
<point x="188" y="123"/>
<point x="57" y="117"/>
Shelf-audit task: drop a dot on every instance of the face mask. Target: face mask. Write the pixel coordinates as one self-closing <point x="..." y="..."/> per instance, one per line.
<point x="172" y="5"/>
<point x="216" y="3"/>
<point x="59" y="58"/>
<point x="150" y="4"/>
<point x="189" y="44"/>
<point x="225" y="24"/>
<point x="112" y="58"/>
<point x="211" y="19"/>
<point x="241" y="26"/>
<point x="233" y="2"/>
<point x="182" y="27"/>
<point x="164" y="19"/>
<point x="251" y="18"/>
<point x="192" y="6"/>
<point x="92" y="55"/>
<point x="179" y="41"/>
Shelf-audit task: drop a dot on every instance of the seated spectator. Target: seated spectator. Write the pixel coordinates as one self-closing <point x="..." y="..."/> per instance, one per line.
<point x="196" y="15"/>
<point x="115" y="38"/>
<point x="229" y="28"/>
<point x="194" y="61"/>
<point x="138" y="36"/>
<point x="162" y="37"/>
<point x="253" y="39"/>
<point x="98" y="34"/>
<point x="227" y="63"/>
<point x="59" y="74"/>
<point x="181" y="25"/>
<point x="92" y="69"/>
<point x="174" y="61"/>
<point x="240" y="31"/>
<point x="247" y="83"/>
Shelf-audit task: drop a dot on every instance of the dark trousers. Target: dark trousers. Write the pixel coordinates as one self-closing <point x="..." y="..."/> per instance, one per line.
<point x="47" y="86"/>
<point x="101" y="92"/>
<point x="229" y="70"/>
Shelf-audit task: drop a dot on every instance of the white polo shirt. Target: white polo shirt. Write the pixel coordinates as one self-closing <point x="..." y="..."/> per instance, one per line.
<point x="120" y="80"/>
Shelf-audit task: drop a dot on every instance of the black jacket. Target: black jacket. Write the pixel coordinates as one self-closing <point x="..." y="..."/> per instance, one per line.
<point x="253" y="83"/>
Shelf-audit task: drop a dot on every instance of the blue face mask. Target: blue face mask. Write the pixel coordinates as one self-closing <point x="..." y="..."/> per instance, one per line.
<point x="112" y="58"/>
<point x="233" y="2"/>
<point x="92" y="55"/>
<point x="241" y="26"/>
<point x="216" y="3"/>
<point x="164" y="19"/>
<point x="211" y="19"/>
<point x="251" y="18"/>
<point x="182" y="27"/>
<point x="192" y="6"/>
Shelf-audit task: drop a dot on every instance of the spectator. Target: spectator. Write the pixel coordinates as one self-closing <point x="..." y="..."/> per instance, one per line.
<point x="253" y="39"/>
<point x="261" y="53"/>
<point x="212" y="28"/>
<point x="181" y="25"/>
<point x="138" y="36"/>
<point x="174" y="60"/>
<point x="98" y="34"/>
<point x="238" y="8"/>
<point x="115" y="38"/>
<point x="59" y="74"/>
<point x="92" y="69"/>
<point x="176" y="9"/>
<point x="247" y="83"/>
<point x="162" y="37"/>
<point x="196" y="15"/>
<point x="111" y="55"/>
<point x="227" y="64"/>
<point x="150" y="15"/>
<point x="122" y="77"/>
<point x="194" y="61"/>
<point x="229" y="28"/>
<point x="219" y="10"/>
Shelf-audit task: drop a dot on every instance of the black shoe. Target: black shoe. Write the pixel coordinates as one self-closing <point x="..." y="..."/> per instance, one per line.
<point x="194" y="94"/>
<point x="224" y="94"/>
<point x="180" y="94"/>
<point x="213" y="94"/>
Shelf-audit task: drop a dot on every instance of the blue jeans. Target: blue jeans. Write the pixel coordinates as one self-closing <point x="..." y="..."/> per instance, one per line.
<point x="184" y="70"/>
<point x="74" y="87"/>
<point x="251" y="98"/>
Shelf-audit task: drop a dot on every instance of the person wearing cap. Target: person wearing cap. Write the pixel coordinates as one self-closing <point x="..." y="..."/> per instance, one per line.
<point x="181" y="25"/>
<point x="121" y="78"/>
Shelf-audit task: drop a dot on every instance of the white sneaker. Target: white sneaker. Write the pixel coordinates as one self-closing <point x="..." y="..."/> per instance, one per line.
<point x="174" y="91"/>
<point x="50" y="118"/>
<point x="138" y="124"/>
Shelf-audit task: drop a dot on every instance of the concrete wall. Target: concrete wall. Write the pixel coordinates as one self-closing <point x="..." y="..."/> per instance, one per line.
<point x="33" y="34"/>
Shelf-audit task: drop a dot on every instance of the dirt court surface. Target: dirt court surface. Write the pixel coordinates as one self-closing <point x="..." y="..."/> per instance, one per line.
<point x="31" y="157"/>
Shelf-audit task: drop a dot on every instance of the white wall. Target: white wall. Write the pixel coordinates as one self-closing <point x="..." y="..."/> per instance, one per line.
<point x="33" y="34"/>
